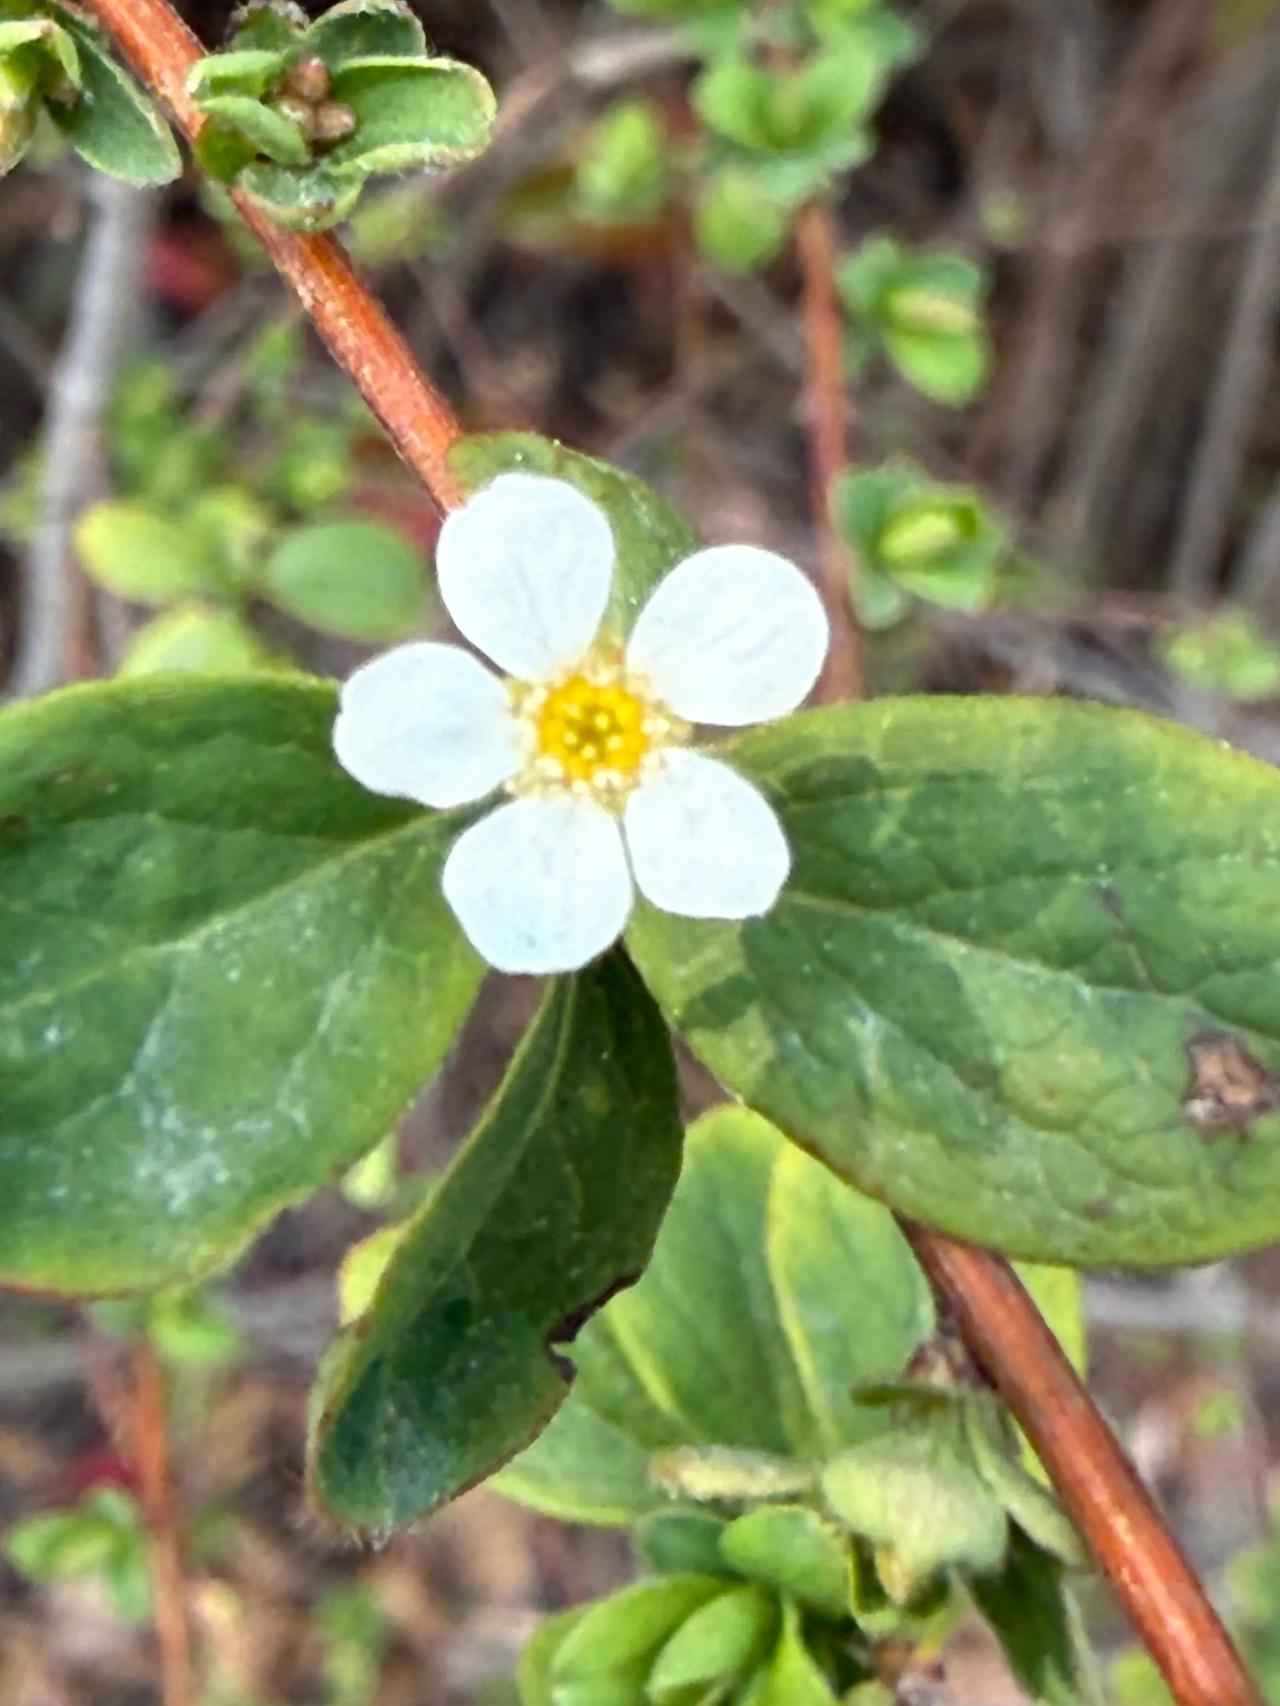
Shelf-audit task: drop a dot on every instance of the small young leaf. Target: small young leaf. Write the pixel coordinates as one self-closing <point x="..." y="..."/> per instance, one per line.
<point x="269" y="24"/>
<point x="797" y="1552"/>
<point x="110" y="122"/>
<point x="925" y="309"/>
<point x="144" y="556"/>
<point x="1226" y="653"/>
<point x="366" y="29"/>
<point x="739" y="222"/>
<point x="630" y="1627"/>
<point x="624" y="172"/>
<point x="410" y="114"/>
<point x="918" y="1498"/>
<point x="212" y="888"/>
<point x="1038" y="943"/>
<point x="682" y="1541"/>
<point x="357" y="578"/>
<point x="553" y="1202"/>
<point x="197" y="639"/>
<point x="248" y="71"/>
<point x="719" y="1643"/>
<point x="791" y="1676"/>
<point x="267" y="132"/>
<point x="308" y="200"/>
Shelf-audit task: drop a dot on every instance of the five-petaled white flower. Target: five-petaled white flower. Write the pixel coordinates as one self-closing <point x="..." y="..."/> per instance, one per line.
<point x="589" y="736"/>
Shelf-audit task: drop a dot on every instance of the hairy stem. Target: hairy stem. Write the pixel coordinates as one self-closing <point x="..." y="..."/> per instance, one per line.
<point x="1001" y="1324"/>
<point x="827" y="409"/>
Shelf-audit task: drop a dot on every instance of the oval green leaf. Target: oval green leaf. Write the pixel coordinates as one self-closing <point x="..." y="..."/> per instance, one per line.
<point x="552" y="1204"/>
<point x="1021" y="983"/>
<point x="357" y="578"/>
<point x="227" y="969"/>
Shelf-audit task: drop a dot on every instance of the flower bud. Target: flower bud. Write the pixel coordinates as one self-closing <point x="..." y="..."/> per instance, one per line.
<point x="332" y="122"/>
<point x="308" y="79"/>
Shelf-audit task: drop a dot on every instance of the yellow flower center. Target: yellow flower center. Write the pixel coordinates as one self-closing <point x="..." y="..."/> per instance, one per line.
<point x="595" y="731"/>
<point x="587" y="727"/>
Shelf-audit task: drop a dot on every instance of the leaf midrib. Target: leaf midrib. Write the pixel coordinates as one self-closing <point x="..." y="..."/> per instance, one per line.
<point x="188" y="941"/>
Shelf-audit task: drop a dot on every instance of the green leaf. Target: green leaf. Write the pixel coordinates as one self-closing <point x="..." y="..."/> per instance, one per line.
<point x="1226" y="653"/>
<point x="788" y="111"/>
<point x="624" y="172"/>
<point x="917" y="1496"/>
<point x="197" y="639"/>
<point x="718" y="1643"/>
<point x="533" y="1674"/>
<point x="792" y="1676"/>
<point x="271" y="25"/>
<point x="682" y="1541"/>
<point x="190" y="1330"/>
<point x="366" y="29"/>
<point x="796" y="1551"/>
<point x="267" y="132"/>
<point x="650" y="537"/>
<point x="739" y="222"/>
<point x="915" y="536"/>
<point x="227" y="968"/>
<point x="1037" y="1626"/>
<point x="410" y="114"/>
<point x="244" y="71"/>
<point x="803" y="1290"/>
<point x="552" y="1204"/>
<point x="630" y="1627"/>
<point x="145" y="556"/>
<point x="111" y="123"/>
<point x="1015" y="961"/>
<point x="357" y="578"/>
<point x="297" y="199"/>
<point x="19" y="111"/>
<point x="925" y="308"/>
<point x="1033" y="1506"/>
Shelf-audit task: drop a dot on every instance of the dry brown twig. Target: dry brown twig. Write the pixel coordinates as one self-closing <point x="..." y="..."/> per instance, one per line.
<point x="1002" y="1325"/>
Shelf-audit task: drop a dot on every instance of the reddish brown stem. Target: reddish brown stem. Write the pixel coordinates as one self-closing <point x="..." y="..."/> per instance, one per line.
<point x="827" y="407"/>
<point x="360" y="336"/>
<point x="1000" y="1323"/>
<point x="150" y="1451"/>
<point x="1111" y="1507"/>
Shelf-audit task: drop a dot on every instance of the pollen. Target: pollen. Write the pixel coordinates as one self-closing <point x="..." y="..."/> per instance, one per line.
<point x="594" y="731"/>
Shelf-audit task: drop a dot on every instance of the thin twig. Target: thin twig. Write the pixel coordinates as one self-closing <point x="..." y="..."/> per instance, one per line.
<point x="827" y="408"/>
<point x="70" y="450"/>
<point x="1111" y="1507"/>
<point x="360" y="335"/>
<point x="151" y="1459"/>
<point x="1001" y="1323"/>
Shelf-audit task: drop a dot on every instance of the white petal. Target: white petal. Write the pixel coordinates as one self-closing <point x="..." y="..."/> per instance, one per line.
<point x="524" y="570"/>
<point x="733" y="635"/>
<point x="703" y="842"/>
<point x="540" y="885"/>
<point x="428" y="723"/>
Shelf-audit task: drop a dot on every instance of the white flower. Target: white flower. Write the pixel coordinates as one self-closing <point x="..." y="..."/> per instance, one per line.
<point x="590" y="737"/>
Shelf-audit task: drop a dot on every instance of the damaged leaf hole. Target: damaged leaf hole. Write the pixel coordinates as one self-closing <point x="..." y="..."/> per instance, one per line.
<point x="1229" y="1087"/>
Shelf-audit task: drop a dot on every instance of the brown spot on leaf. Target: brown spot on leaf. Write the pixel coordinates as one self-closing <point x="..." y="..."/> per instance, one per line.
<point x="1229" y="1087"/>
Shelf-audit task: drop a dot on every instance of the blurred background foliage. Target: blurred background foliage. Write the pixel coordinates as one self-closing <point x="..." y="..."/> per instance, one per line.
<point x="1059" y="233"/>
